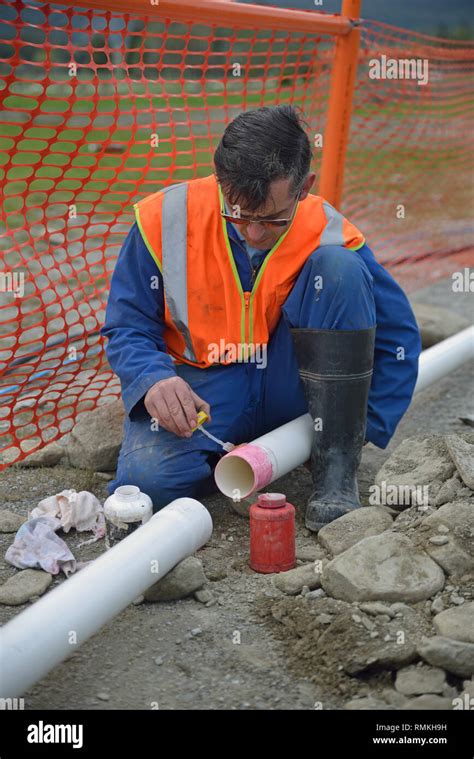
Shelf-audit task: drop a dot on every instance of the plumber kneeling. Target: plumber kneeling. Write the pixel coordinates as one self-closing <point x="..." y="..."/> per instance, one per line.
<point x="244" y="295"/>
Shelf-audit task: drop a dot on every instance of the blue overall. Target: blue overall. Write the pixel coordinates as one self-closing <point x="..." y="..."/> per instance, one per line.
<point x="249" y="399"/>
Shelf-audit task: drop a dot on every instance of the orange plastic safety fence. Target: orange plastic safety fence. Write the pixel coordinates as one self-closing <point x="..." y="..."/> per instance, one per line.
<point x="100" y="108"/>
<point x="409" y="167"/>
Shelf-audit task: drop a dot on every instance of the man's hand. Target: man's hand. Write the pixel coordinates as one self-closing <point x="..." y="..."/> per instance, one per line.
<point x="174" y="405"/>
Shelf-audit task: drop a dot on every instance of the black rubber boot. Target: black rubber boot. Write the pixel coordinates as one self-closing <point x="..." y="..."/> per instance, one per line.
<point x="336" y="370"/>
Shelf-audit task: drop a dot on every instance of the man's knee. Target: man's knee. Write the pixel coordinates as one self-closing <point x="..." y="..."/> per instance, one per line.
<point x="334" y="263"/>
<point x="334" y="290"/>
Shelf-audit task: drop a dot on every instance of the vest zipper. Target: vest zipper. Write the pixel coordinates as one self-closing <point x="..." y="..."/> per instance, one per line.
<point x="247" y="296"/>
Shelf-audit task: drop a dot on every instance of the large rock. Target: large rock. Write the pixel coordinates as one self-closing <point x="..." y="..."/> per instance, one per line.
<point x="23" y="586"/>
<point x="416" y="469"/>
<point x="437" y="324"/>
<point x="293" y="581"/>
<point x="416" y="680"/>
<point x="342" y="533"/>
<point x="385" y="567"/>
<point x="456" y="623"/>
<point x="185" y="578"/>
<point x="49" y="455"/>
<point x="462" y="453"/>
<point x="452" y="655"/>
<point x="95" y="440"/>
<point x="9" y="521"/>
<point x="93" y="443"/>
<point x="456" y="554"/>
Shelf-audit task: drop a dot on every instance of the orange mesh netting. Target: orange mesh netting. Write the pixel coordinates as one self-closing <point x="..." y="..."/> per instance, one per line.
<point x="99" y="108"/>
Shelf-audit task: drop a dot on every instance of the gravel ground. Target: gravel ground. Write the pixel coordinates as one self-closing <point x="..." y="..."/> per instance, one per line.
<point x="147" y="656"/>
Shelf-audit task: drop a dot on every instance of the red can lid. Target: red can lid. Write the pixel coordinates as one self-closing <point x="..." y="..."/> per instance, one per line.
<point x="271" y="500"/>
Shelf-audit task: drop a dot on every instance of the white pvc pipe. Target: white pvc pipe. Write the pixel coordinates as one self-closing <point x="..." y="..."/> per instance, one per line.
<point x="39" y="638"/>
<point x="253" y="466"/>
<point x="444" y="357"/>
<point x="250" y="467"/>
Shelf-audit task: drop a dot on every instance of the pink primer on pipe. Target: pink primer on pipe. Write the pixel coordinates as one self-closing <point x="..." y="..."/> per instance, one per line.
<point x="243" y="471"/>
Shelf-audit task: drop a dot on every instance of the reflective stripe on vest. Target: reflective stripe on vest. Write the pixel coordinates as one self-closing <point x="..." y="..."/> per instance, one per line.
<point x="333" y="232"/>
<point x="174" y="260"/>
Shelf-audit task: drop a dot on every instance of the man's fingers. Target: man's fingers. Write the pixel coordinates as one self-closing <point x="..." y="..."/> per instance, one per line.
<point x="173" y="413"/>
<point x="174" y="404"/>
<point x="201" y="404"/>
<point x="186" y="399"/>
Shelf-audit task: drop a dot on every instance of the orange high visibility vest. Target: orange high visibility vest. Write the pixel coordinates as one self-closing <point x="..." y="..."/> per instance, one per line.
<point x="209" y="319"/>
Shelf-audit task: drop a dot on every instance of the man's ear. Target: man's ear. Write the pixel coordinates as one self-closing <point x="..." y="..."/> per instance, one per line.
<point x="307" y="185"/>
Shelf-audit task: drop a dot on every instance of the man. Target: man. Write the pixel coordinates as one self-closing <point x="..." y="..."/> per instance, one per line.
<point x="244" y="295"/>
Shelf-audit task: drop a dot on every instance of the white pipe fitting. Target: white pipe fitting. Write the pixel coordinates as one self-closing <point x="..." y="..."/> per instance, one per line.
<point x="39" y="638"/>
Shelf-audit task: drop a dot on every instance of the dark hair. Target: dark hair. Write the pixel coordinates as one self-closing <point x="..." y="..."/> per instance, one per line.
<point x="258" y="147"/>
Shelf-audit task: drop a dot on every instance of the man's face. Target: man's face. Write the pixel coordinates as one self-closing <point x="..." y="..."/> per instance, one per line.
<point x="279" y="205"/>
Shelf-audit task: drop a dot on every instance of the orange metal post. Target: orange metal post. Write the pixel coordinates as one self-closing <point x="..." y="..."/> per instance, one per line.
<point x="221" y="12"/>
<point x="339" y="109"/>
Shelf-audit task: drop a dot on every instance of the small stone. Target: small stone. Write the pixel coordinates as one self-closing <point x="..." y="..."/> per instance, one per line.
<point x="318" y="593"/>
<point x="105" y="476"/>
<point x="293" y="581"/>
<point x="462" y="453"/>
<point x="203" y="596"/>
<point x="374" y="608"/>
<point x="457" y="600"/>
<point x="368" y="624"/>
<point x="10" y="521"/>
<point x="103" y="696"/>
<point x="439" y="540"/>
<point x="159" y="660"/>
<point x="196" y="631"/>
<point x="23" y="586"/>
<point x="414" y="681"/>
<point x="452" y="655"/>
<point x="185" y="578"/>
<point x="457" y="623"/>
<point x="323" y="619"/>
<point x="309" y="553"/>
<point x="437" y="605"/>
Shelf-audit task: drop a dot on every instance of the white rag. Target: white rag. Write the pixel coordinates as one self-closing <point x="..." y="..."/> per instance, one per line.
<point x="80" y="510"/>
<point x="37" y="545"/>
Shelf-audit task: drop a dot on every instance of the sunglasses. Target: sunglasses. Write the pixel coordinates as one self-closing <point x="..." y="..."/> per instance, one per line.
<point x="267" y="223"/>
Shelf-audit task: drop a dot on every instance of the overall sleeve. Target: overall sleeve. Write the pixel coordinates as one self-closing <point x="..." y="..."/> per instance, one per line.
<point x="397" y="349"/>
<point x="134" y="322"/>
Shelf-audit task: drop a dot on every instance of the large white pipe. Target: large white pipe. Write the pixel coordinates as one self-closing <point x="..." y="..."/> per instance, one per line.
<point x="444" y="357"/>
<point x="39" y="638"/>
<point x="253" y="466"/>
